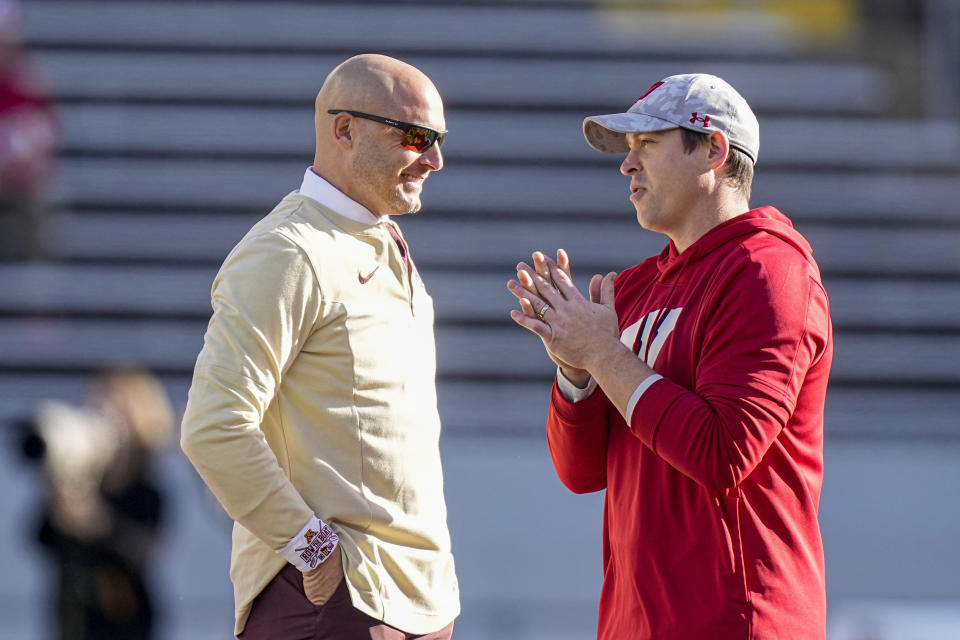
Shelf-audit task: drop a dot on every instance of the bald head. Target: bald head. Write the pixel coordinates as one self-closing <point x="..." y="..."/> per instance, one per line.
<point x="348" y="148"/>
<point x="375" y="83"/>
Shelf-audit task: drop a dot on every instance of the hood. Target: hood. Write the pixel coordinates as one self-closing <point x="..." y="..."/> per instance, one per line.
<point x="767" y="219"/>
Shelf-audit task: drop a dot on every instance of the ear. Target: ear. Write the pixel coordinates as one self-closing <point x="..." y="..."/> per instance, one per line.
<point x="719" y="150"/>
<point x="343" y="130"/>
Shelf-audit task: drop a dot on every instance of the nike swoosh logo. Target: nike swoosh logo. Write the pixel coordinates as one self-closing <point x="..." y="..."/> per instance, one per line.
<point x="365" y="280"/>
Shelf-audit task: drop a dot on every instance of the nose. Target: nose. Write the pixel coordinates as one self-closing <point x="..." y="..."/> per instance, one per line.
<point x="630" y="164"/>
<point x="433" y="157"/>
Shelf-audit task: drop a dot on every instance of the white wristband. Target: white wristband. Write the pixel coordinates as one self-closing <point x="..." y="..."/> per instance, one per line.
<point x="639" y="391"/>
<point x="312" y="546"/>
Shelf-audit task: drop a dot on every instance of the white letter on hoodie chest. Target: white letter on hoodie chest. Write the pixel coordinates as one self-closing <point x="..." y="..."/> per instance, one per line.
<point x="629" y="335"/>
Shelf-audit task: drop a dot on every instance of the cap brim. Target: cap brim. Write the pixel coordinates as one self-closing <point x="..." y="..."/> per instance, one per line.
<point x="607" y="134"/>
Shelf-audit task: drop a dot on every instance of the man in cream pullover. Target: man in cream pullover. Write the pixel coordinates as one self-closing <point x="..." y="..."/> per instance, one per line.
<point x="312" y="415"/>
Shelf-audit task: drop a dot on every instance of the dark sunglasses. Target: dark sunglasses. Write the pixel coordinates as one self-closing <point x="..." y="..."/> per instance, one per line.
<point x="416" y="137"/>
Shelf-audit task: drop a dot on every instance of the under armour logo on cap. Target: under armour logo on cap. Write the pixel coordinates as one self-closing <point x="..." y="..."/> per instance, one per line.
<point x="705" y="120"/>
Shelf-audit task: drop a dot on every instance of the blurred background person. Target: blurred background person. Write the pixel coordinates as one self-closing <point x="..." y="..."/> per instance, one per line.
<point x="28" y="135"/>
<point x="102" y="512"/>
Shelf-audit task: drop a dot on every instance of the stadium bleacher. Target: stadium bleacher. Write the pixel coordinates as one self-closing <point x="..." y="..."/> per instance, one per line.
<point x="184" y="122"/>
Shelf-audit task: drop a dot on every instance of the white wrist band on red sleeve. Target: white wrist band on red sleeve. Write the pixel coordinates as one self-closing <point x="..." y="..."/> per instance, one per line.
<point x="641" y="388"/>
<point x="312" y="546"/>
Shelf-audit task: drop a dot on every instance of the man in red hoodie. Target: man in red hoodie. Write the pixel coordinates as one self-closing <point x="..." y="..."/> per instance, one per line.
<point x="691" y="386"/>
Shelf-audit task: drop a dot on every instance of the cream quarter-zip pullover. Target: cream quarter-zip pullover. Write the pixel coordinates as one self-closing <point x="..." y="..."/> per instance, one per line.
<point x="314" y="393"/>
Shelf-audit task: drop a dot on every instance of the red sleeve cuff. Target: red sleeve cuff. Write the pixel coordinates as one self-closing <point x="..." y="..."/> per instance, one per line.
<point x="579" y="413"/>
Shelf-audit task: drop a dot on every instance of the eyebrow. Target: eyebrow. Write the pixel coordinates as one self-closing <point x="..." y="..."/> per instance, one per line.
<point x="645" y="135"/>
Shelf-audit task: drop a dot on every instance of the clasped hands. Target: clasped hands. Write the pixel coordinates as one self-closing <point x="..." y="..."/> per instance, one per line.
<point x="573" y="329"/>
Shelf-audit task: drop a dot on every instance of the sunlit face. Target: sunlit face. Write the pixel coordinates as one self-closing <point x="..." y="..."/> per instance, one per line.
<point x="665" y="181"/>
<point x="391" y="176"/>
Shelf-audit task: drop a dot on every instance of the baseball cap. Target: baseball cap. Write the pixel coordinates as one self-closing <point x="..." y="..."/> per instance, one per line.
<point x="695" y="101"/>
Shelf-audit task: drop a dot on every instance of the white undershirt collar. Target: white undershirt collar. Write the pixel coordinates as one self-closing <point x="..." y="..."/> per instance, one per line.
<point x="316" y="188"/>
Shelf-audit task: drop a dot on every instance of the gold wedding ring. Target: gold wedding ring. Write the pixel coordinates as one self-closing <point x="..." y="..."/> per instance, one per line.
<point x="543" y="310"/>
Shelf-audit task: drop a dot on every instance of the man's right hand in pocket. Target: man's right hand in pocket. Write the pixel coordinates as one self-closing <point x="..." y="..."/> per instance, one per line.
<point x="320" y="583"/>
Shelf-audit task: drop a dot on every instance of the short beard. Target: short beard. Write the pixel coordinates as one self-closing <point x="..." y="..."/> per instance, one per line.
<point x="371" y="173"/>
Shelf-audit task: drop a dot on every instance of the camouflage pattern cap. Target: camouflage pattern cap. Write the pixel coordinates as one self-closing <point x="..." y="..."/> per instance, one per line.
<point x="695" y="101"/>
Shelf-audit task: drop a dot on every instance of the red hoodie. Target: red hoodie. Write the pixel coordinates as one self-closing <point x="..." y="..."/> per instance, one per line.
<point x="710" y="520"/>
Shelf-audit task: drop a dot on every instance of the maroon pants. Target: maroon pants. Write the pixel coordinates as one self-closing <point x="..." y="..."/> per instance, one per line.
<point x="282" y="612"/>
